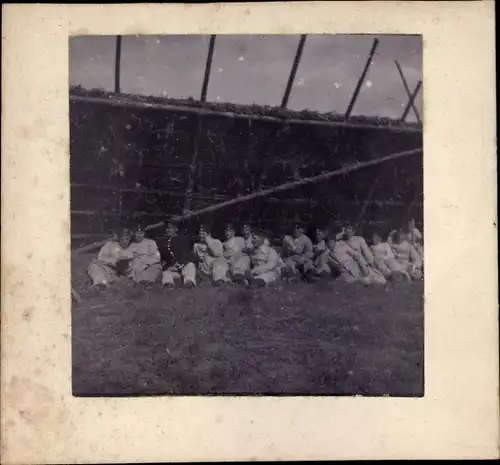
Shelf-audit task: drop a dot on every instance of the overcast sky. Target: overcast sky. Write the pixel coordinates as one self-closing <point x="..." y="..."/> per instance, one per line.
<point x="254" y="69"/>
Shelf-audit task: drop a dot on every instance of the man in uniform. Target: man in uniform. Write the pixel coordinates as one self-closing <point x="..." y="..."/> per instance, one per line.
<point x="350" y="264"/>
<point x="112" y="261"/>
<point x="145" y="267"/>
<point x="209" y="253"/>
<point x="358" y="243"/>
<point x="265" y="262"/>
<point x="235" y="254"/>
<point x="298" y="252"/>
<point x="321" y="253"/>
<point x="177" y="258"/>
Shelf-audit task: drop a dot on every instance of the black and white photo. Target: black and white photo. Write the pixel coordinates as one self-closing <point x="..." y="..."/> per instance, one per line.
<point x="247" y="215"/>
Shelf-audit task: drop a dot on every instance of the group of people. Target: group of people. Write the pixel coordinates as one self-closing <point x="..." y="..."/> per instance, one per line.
<point x="250" y="259"/>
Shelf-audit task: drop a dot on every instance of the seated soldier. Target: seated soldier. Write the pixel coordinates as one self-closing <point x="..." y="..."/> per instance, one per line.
<point x="177" y="258"/>
<point x="112" y="262"/>
<point x="146" y="266"/>
<point x="209" y="253"/>
<point x="234" y="252"/>
<point x="358" y="243"/>
<point x="265" y="262"/>
<point x="321" y="253"/>
<point x="414" y="237"/>
<point x="384" y="259"/>
<point x="350" y="264"/>
<point x="246" y="232"/>
<point x="298" y="252"/>
<point x="406" y="255"/>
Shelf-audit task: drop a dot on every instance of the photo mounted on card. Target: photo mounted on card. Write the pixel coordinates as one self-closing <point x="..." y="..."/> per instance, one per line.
<point x="247" y="215"/>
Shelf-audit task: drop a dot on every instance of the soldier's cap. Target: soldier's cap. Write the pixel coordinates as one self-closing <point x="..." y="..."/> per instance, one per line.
<point x="203" y="228"/>
<point x="259" y="233"/>
<point x="299" y="225"/>
<point x="139" y="228"/>
<point x="229" y="227"/>
<point x="246" y="225"/>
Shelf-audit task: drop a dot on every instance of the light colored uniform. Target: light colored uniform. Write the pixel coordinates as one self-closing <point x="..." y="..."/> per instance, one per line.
<point x="234" y="253"/>
<point x="211" y="259"/>
<point x="415" y="239"/>
<point x="145" y="266"/>
<point x="359" y="245"/>
<point x="103" y="269"/>
<point x="298" y="252"/>
<point x="352" y="265"/>
<point x="321" y="257"/>
<point x="385" y="261"/>
<point x="265" y="264"/>
<point x="408" y="258"/>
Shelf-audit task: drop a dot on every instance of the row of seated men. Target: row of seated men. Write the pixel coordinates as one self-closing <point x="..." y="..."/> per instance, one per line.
<point x="250" y="259"/>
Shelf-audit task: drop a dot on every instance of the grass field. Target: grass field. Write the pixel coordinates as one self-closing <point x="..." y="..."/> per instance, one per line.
<point x="320" y="338"/>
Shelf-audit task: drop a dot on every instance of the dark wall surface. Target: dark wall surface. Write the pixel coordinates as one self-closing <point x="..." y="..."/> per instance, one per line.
<point x="130" y="163"/>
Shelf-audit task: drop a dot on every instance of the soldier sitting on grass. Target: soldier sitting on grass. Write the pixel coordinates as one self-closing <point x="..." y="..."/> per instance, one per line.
<point x="209" y="253"/>
<point x="265" y="262"/>
<point x="321" y="255"/>
<point x="113" y="261"/>
<point x="145" y="267"/>
<point x="298" y="253"/>
<point x="234" y="253"/>
<point x="177" y="257"/>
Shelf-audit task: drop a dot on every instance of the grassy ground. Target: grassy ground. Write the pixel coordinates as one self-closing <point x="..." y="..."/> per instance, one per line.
<point x="320" y="338"/>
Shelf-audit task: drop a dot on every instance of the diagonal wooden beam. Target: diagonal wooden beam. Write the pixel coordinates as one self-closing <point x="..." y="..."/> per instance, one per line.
<point x="362" y="78"/>
<point x="410" y="104"/>
<point x="293" y="71"/>
<point x="407" y="89"/>
<point x="118" y="59"/>
<point x="208" y="67"/>
<point x="281" y="188"/>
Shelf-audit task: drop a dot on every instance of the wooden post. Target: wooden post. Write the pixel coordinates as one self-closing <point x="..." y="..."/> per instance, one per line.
<point x="208" y="67"/>
<point x="118" y="59"/>
<point x="410" y="103"/>
<point x="193" y="166"/>
<point x="361" y="78"/>
<point x="293" y="71"/>
<point x="408" y="92"/>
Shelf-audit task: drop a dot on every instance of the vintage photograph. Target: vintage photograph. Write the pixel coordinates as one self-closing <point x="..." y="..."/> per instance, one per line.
<point x="247" y="215"/>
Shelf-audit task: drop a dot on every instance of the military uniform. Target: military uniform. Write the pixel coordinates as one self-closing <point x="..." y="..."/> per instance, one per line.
<point x="352" y="265"/>
<point x="298" y="254"/>
<point x="385" y="261"/>
<point x="321" y="257"/>
<point x="235" y="254"/>
<point x="211" y="261"/>
<point x="103" y="270"/>
<point x="265" y="264"/>
<point x="145" y="266"/>
<point x="177" y="260"/>
<point x="408" y="258"/>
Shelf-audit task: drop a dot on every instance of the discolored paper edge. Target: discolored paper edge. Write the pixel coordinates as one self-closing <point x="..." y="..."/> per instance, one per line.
<point x="457" y="418"/>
